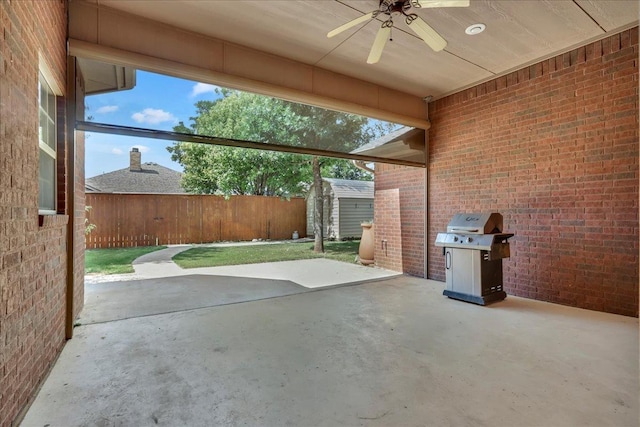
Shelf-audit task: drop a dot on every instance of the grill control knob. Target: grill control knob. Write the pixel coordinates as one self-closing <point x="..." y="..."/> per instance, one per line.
<point x="469" y="239"/>
<point x="455" y="238"/>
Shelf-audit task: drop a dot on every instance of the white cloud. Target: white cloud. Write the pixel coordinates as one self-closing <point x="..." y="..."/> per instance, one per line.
<point x="107" y="109"/>
<point x="153" y="116"/>
<point x="116" y="151"/>
<point x="200" y="88"/>
<point x="141" y="148"/>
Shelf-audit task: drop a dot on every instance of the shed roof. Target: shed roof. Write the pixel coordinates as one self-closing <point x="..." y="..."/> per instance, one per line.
<point x="153" y="178"/>
<point x="351" y="189"/>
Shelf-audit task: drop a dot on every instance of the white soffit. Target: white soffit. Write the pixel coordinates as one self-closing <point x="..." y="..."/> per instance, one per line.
<point x="102" y="78"/>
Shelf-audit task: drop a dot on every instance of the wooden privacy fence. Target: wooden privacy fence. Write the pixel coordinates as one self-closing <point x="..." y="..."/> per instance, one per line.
<point x="124" y="220"/>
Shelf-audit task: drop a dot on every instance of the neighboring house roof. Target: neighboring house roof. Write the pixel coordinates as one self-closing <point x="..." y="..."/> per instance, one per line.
<point x="351" y="189"/>
<point x="152" y="178"/>
<point x="90" y="188"/>
<point x="406" y="143"/>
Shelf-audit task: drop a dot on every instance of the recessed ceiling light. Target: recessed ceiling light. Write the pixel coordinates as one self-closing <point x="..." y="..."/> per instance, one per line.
<point x="474" y="29"/>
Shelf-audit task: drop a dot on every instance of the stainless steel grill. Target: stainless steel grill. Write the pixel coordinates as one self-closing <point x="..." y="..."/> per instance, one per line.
<point x="474" y="246"/>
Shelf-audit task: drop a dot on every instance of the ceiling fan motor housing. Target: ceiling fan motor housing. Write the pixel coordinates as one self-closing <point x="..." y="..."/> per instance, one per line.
<point x="390" y="6"/>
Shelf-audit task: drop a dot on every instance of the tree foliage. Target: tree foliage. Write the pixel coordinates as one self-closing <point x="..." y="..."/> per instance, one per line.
<point x="88" y="227"/>
<point x="227" y="170"/>
<point x="244" y="116"/>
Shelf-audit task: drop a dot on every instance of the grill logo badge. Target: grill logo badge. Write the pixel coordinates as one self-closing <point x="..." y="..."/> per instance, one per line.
<point x="470" y="218"/>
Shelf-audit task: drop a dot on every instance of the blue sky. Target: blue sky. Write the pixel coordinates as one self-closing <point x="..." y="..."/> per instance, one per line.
<point x="157" y="102"/>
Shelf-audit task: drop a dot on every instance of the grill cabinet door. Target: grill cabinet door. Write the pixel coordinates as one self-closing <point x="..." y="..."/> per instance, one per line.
<point x="464" y="271"/>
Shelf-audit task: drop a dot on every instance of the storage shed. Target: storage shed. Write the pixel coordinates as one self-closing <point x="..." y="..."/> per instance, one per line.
<point x="347" y="203"/>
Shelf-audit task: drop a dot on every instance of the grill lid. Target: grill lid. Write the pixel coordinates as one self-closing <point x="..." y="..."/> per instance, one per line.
<point x="475" y="223"/>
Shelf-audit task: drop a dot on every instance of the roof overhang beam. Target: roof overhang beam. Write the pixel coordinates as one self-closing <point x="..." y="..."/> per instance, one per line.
<point x="212" y="140"/>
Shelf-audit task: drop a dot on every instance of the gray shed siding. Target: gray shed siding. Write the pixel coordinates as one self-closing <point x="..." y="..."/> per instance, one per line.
<point x="343" y="214"/>
<point x="352" y="213"/>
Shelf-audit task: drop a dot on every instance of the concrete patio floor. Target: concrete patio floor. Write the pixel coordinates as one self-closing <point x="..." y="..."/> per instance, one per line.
<point x="390" y="352"/>
<point x="310" y="273"/>
<point x="105" y="302"/>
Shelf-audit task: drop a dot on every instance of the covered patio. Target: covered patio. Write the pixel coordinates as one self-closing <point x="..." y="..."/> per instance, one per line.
<point x="392" y="352"/>
<point x="535" y="118"/>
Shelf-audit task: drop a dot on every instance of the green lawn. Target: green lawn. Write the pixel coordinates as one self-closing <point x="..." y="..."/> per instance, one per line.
<point x="234" y="255"/>
<point x="115" y="260"/>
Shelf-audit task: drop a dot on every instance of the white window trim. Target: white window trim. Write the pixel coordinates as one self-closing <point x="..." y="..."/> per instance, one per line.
<point x="49" y="77"/>
<point x="45" y="70"/>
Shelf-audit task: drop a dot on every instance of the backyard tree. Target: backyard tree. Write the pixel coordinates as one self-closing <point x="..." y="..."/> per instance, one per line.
<point x="330" y="130"/>
<point x="212" y="169"/>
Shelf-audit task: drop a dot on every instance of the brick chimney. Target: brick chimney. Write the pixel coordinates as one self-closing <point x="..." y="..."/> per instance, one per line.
<point x="134" y="160"/>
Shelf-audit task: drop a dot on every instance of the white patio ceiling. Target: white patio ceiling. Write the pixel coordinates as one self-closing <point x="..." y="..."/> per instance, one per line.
<point x="518" y="33"/>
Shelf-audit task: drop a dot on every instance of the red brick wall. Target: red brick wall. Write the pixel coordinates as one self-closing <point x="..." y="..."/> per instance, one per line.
<point x="554" y="148"/>
<point x="404" y="231"/>
<point x="79" y="226"/>
<point x="32" y="249"/>
<point x="387" y="237"/>
<point x="79" y="238"/>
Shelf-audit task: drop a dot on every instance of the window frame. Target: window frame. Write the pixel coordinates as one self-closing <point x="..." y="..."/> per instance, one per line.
<point x="48" y="135"/>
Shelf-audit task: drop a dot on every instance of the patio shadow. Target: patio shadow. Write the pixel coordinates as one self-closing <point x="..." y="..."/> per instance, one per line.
<point x="106" y="302"/>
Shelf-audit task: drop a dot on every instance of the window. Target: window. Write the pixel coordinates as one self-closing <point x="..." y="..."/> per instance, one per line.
<point x="47" y="142"/>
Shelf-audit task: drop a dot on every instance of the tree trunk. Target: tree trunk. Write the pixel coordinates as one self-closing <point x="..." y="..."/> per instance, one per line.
<point x="318" y="223"/>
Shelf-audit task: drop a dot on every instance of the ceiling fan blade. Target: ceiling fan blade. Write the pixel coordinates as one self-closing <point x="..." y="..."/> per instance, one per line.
<point x="441" y="3"/>
<point x="428" y="34"/>
<point x="350" y="24"/>
<point x="378" y="44"/>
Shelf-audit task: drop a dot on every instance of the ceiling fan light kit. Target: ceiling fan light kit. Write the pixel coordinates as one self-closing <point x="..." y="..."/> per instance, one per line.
<point x="402" y="8"/>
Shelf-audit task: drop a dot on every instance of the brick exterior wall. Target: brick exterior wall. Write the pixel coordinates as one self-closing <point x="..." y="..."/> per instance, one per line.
<point x="387" y="239"/>
<point x="403" y="188"/>
<point x="80" y="214"/>
<point x="79" y="237"/>
<point x="33" y="255"/>
<point x="554" y="148"/>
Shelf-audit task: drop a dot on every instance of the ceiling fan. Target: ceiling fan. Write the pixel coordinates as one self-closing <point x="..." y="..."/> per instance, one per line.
<point x="404" y="9"/>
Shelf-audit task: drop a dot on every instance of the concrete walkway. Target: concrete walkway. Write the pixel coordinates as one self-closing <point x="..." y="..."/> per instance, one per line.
<point x="311" y="273"/>
<point x="389" y="353"/>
